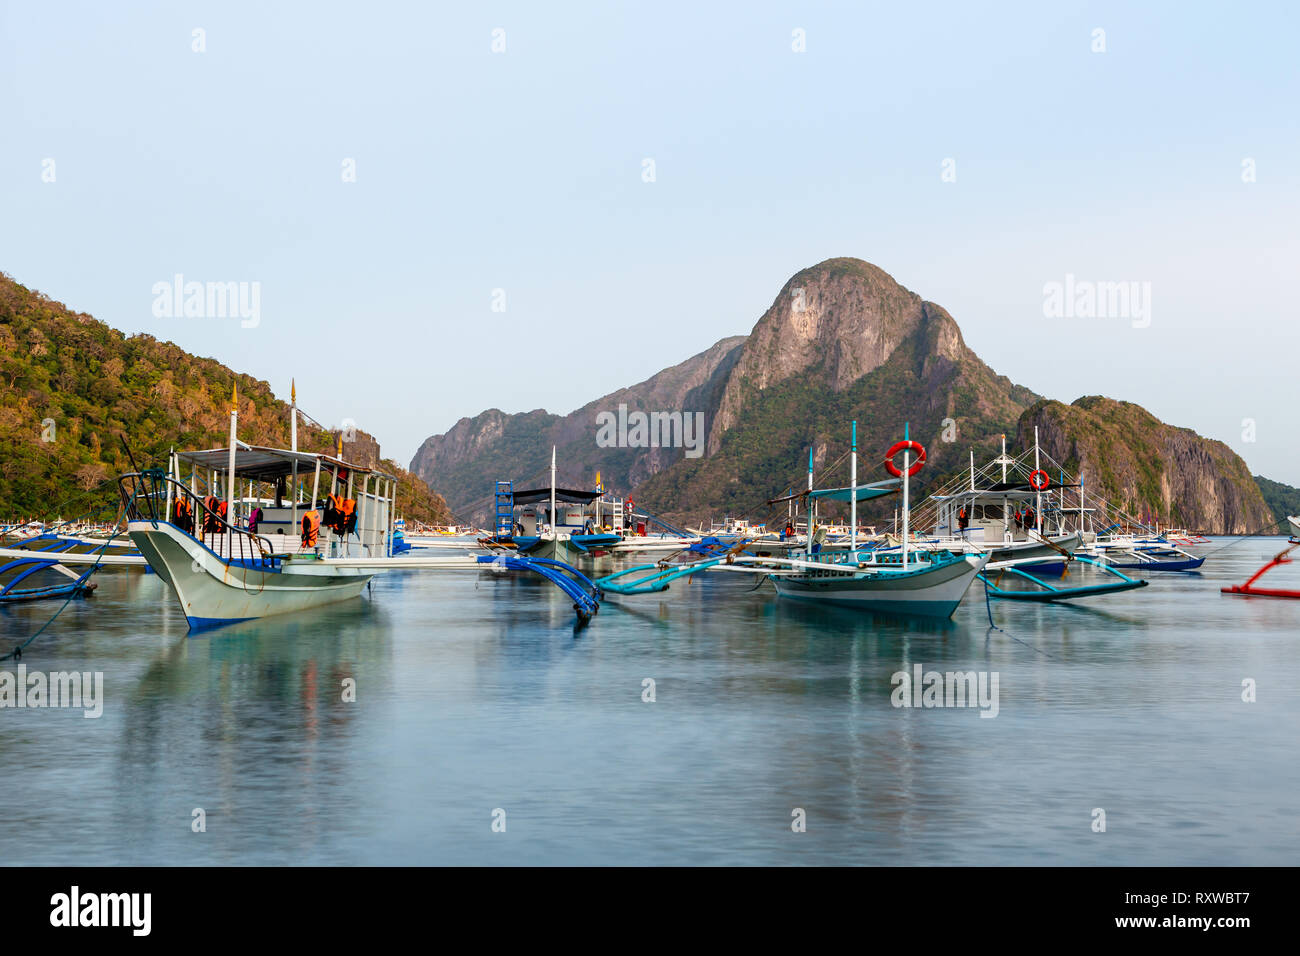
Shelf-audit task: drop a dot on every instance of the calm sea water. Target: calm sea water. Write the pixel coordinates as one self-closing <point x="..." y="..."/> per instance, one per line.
<point x="474" y="693"/>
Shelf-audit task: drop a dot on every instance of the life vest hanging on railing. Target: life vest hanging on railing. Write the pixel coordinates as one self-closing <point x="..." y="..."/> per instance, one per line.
<point x="184" y="515"/>
<point x="214" y="509"/>
<point x="310" y="528"/>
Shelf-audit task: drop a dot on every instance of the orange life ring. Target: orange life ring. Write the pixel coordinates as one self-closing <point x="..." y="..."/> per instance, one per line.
<point x="1034" y="481"/>
<point x="904" y="446"/>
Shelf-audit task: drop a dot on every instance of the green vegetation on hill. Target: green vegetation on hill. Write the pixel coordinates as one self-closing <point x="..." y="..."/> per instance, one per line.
<point x="1153" y="471"/>
<point x="766" y="452"/>
<point x="72" y="385"/>
<point x="1282" y="500"/>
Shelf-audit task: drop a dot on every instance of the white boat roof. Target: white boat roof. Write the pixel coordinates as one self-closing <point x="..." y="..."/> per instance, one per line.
<point x="266" y="464"/>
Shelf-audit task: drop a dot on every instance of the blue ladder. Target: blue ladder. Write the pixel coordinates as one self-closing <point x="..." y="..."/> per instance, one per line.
<point x="505" y="513"/>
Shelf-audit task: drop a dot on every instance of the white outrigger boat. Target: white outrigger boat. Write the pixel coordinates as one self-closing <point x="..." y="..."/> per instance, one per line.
<point x="222" y="573"/>
<point x="1294" y="523"/>
<point x="911" y="582"/>
<point x="1006" y="510"/>
<point x="927" y="583"/>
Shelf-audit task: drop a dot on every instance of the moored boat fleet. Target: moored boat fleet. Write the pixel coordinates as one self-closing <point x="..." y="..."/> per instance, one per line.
<point x="242" y="532"/>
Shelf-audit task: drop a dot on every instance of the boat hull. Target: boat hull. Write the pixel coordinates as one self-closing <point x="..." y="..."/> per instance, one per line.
<point x="1182" y="564"/>
<point x="930" y="591"/>
<point x="213" y="592"/>
<point x="1036" y="549"/>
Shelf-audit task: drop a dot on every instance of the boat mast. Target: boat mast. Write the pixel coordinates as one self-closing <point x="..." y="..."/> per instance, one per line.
<point x="172" y="469"/>
<point x="807" y="546"/>
<point x="1081" y="499"/>
<point x="907" y="464"/>
<point x="1038" y="495"/>
<point x="230" y="473"/>
<point x="1006" y="518"/>
<point x="293" y="445"/>
<point x="555" y="525"/>
<point x="853" y="492"/>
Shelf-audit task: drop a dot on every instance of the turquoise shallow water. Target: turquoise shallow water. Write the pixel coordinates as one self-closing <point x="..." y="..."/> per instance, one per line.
<point x="474" y="693"/>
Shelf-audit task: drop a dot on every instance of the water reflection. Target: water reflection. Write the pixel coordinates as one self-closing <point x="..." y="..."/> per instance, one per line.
<point x="473" y="692"/>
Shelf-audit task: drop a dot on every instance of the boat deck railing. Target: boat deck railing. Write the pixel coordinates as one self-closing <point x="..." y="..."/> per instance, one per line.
<point x="153" y="496"/>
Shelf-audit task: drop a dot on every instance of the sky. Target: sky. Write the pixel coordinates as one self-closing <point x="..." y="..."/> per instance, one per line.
<point x="452" y="207"/>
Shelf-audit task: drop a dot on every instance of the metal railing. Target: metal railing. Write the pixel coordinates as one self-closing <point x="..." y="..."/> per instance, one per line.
<point x="153" y="496"/>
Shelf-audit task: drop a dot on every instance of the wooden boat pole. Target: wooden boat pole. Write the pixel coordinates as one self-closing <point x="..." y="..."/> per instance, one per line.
<point x="812" y="505"/>
<point x="1006" y="518"/>
<point x="853" y="492"/>
<point x="1038" y="495"/>
<point x="293" y="445"/>
<point x="1081" y="499"/>
<point x="230" y="473"/>
<point x="361" y="510"/>
<point x="315" y="486"/>
<point x="171" y="460"/>
<point x="347" y="546"/>
<point x="392" y="509"/>
<point x="907" y="466"/>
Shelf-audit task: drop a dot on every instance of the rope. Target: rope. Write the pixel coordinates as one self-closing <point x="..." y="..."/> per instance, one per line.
<point x="1233" y="544"/>
<point x="988" y="606"/>
<point x="17" y="652"/>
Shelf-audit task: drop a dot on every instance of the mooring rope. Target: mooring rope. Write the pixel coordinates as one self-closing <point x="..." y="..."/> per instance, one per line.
<point x="17" y="652"/>
<point x="1246" y="537"/>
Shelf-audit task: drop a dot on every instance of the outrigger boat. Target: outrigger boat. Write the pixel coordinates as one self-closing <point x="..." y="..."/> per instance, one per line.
<point x="227" y="573"/>
<point x="923" y="583"/>
<point x="221" y="573"/>
<point x="1150" y="554"/>
<point x="1000" y="510"/>
<point x="44" y="577"/>
<point x="1294" y="524"/>
<point x="542" y="529"/>
<point x="40" y="564"/>
<point x="1249" y="590"/>
<point x="1012" y="508"/>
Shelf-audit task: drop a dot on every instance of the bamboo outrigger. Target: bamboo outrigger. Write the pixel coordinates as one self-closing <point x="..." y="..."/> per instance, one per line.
<point x="1249" y="590"/>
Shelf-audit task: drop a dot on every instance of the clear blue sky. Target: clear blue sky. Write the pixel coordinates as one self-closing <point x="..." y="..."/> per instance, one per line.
<point x="523" y="171"/>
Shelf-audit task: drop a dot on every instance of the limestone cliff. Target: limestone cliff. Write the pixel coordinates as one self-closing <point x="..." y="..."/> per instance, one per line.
<point x="842" y="341"/>
<point x="1154" y="471"/>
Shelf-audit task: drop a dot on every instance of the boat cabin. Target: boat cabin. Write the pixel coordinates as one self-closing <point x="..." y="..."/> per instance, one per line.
<point x="282" y="486"/>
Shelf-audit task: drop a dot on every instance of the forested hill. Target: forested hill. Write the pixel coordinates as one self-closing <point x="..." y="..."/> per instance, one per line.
<point x="71" y="385"/>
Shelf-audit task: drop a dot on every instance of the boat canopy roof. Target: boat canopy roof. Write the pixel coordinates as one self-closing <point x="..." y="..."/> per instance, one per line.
<point x="865" y="492"/>
<point x="533" y="495"/>
<point x="268" y="464"/>
<point x="999" y="491"/>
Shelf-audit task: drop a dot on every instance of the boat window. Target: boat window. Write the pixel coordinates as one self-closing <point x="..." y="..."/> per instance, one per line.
<point x="992" y="512"/>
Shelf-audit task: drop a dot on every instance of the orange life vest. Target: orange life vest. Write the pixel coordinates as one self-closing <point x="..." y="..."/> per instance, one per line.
<point x="211" y="508"/>
<point x="310" y="528"/>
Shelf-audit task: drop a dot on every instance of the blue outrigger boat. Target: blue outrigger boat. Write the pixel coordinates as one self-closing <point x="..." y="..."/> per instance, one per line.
<point x="40" y="564"/>
<point x="1145" y="554"/>
<point x="543" y="529"/>
<point x="19" y="570"/>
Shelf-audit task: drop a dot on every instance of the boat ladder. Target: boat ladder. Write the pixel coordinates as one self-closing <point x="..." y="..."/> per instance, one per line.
<point x="505" y="510"/>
